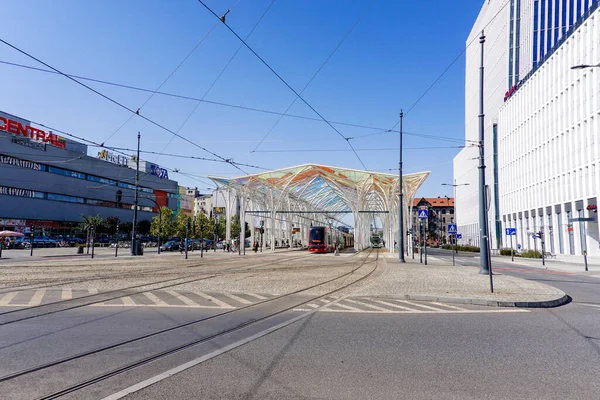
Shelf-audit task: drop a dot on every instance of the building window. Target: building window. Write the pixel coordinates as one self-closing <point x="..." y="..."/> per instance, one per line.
<point x="101" y="203"/>
<point x="62" y="197"/>
<point x="66" y="172"/>
<point x="101" y="180"/>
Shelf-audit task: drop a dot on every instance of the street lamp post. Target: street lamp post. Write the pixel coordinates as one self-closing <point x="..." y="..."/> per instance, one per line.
<point x="400" y="201"/>
<point x="453" y="237"/>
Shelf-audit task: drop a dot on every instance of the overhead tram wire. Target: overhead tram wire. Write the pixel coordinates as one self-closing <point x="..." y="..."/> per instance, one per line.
<point x="361" y="126"/>
<point x="315" y="75"/>
<point x="476" y="37"/>
<point x="217" y="103"/>
<point x="119" y="104"/>
<point x="338" y="150"/>
<point x="285" y="82"/>
<point x="168" y="77"/>
<point x="220" y="73"/>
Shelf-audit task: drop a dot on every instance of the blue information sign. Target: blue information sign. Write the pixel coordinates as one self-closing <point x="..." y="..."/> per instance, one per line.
<point x="423" y="214"/>
<point x="452" y="229"/>
<point x="511" y="231"/>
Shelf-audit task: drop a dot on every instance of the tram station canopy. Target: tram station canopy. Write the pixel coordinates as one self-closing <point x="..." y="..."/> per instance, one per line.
<point x="326" y="191"/>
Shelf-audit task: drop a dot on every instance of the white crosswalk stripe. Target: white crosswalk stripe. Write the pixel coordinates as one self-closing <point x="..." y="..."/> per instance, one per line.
<point x="189" y="299"/>
<point x="66" y="294"/>
<point x="366" y="305"/>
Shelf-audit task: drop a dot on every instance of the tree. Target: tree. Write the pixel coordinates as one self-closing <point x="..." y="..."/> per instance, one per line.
<point x="167" y="225"/>
<point x="181" y="222"/>
<point x="89" y="222"/>
<point x="126" y="227"/>
<point x="110" y="225"/>
<point x="205" y="227"/>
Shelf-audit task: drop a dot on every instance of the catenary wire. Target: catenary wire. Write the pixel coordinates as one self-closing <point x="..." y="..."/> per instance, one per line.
<point x="214" y="82"/>
<point x="361" y="126"/>
<point x="285" y="82"/>
<point x="167" y="78"/>
<point x="451" y="64"/>
<point x="339" y="44"/>
<point x="117" y="103"/>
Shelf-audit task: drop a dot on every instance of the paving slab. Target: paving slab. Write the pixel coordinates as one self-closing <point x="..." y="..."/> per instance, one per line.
<point x="445" y="283"/>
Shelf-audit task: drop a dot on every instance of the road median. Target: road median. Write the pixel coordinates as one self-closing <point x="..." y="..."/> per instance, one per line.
<point x="462" y="285"/>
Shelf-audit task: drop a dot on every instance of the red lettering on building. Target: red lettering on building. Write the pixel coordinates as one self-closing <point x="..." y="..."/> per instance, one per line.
<point x="16" y="128"/>
<point x="12" y="126"/>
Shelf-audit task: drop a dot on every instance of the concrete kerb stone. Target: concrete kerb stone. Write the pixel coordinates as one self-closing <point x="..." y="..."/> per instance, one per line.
<point x="489" y="303"/>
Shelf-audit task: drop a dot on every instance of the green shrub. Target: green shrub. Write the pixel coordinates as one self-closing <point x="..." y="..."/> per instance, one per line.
<point x="447" y="247"/>
<point x="531" y="254"/>
<point x="505" y="252"/>
<point x="467" y="248"/>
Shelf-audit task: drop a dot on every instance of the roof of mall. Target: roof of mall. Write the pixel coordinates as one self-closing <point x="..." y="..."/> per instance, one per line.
<point x="330" y="189"/>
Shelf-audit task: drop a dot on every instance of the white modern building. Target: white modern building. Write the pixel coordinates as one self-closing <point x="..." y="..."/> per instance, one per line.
<point x="549" y="156"/>
<point x="203" y="204"/>
<point x="523" y="38"/>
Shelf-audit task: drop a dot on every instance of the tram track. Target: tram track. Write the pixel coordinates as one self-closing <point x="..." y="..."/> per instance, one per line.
<point x="134" y="273"/>
<point x="78" y="302"/>
<point x="178" y="348"/>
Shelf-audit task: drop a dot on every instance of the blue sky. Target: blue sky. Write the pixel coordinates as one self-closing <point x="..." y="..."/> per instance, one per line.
<point x="395" y="52"/>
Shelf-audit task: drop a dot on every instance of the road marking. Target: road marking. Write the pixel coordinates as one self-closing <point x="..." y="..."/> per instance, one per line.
<point x="237" y="298"/>
<point x="93" y="291"/>
<point x="420" y="305"/>
<point x="155" y="299"/>
<point x="37" y="297"/>
<point x="7" y="298"/>
<point x="392" y="305"/>
<point x="420" y="312"/>
<point x="447" y="305"/>
<point x="313" y="305"/>
<point x="66" y="294"/>
<point x="348" y="308"/>
<point x="128" y="301"/>
<point x="258" y="296"/>
<point x="218" y="302"/>
<point x="182" y="298"/>
<point x="367" y="305"/>
<point x="589" y="305"/>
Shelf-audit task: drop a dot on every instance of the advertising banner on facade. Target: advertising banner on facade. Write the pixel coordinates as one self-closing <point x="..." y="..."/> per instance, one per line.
<point x="22" y="129"/>
<point x="113" y="158"/>
<point x="159" y="171"/>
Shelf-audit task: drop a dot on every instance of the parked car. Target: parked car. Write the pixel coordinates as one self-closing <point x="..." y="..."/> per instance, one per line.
<point x="170" y="246"/>
<point x="44" y="241"/>
<point x="103" y="239"/>
<point x="74" y="241"/>
<point x="22" y="242"/>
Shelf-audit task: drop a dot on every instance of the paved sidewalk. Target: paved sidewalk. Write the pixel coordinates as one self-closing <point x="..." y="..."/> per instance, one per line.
<point x="441" y="282"/>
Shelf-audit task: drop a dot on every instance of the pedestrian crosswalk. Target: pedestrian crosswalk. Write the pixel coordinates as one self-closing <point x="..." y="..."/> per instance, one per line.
<point x="155" y="298"/>
<point x="376" y="305"/>
<point x="170" y="298"/>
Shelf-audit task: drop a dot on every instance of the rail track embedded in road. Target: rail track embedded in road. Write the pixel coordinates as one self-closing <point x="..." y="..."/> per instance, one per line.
<point x="195" y="342"/>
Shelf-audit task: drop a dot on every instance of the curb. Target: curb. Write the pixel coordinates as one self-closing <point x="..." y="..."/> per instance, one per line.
<point x="565" y="299"/>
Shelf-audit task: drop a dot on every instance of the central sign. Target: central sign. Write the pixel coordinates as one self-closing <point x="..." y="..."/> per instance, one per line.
<point x="39" y="135"/>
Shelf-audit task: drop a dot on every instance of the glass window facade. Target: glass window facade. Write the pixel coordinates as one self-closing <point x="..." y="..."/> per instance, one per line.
<point x="68" y="199"/>
<point x="65" y="172"/>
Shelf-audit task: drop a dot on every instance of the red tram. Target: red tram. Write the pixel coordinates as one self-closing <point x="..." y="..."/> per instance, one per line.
<point x="324" y="240"/>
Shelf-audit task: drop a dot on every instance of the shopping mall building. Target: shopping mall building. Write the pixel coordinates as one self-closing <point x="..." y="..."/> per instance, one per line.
<point x="51" y="181"/>
<point x="542" y="125"/>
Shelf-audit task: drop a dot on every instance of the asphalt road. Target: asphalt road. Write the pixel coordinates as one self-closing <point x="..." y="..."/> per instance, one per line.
<point x="531" y="354"/>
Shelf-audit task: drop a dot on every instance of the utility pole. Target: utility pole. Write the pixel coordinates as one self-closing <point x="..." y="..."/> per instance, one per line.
<point x="135" y="201"/>
<point x="117" y="239"/>
<point x="484" y="239"/>
<point x="187" y="234"/>
<point x="400" y="201"/>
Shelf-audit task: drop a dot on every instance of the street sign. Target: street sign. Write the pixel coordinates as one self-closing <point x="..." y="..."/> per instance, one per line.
<point x="452" y="229"/>
<point x="459" y="235"/>
<point x="422" y="207"/>
<point x="423" y="214"/>
<point x="510" y="231"/>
